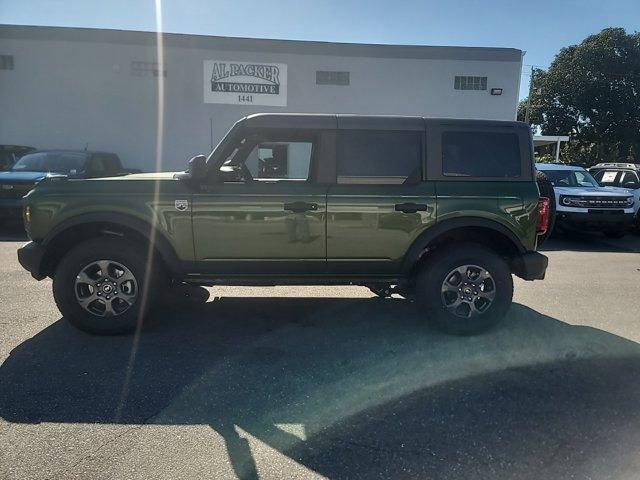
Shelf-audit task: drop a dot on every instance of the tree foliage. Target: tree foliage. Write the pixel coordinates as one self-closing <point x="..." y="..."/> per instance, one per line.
<point x="591" y="92"/>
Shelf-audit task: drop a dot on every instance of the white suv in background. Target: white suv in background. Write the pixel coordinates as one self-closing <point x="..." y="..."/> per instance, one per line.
<point x="582" y="204"/>
<point x="619" y="174"/>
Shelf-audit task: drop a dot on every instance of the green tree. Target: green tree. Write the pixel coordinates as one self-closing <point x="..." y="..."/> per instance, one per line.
<point x="591" y="92"/>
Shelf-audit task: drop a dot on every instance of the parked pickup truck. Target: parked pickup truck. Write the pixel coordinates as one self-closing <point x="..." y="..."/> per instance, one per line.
<point x="33" y="167"/>
<point x="582" y="204"/>
<point x="443" y="211"/>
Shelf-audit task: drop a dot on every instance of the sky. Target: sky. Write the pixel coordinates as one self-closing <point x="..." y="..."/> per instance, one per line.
<point x="539" y="27"/>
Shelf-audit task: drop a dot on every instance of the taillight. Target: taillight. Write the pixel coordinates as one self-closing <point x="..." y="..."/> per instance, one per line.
<point x="543" y="215"/>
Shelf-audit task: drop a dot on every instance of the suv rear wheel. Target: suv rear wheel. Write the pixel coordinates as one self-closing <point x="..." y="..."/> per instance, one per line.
<point x="466" y="289"/>
<point x="99" y="286"/>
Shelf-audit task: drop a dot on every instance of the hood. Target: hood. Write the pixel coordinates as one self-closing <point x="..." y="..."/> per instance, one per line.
<point x="594" y="191"/>
<point x="626" y="191"/>
<point x="12" y="176"/>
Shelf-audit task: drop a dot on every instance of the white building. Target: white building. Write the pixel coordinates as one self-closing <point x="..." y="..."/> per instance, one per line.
<point x="71" y="87"/>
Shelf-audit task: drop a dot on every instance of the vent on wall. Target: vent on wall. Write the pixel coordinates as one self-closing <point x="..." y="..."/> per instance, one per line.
<point x="469" y="83"/>
<point x="324" y="77"/>
<point x="146" y="69"/>
<point x="6" y="62"/>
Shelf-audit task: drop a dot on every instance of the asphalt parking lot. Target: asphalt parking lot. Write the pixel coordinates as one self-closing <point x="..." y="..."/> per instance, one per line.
<point x="331" y="383"/>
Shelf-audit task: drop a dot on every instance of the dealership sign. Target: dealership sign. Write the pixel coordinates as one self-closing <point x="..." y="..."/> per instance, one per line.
<point x="248" y="83"/>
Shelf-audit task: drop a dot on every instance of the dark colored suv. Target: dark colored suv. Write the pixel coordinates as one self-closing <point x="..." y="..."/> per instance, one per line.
<point x="440" y="210"/>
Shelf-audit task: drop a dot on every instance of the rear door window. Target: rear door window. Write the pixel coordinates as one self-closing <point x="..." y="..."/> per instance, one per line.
<point x="378" y="157"/>
<point x="481" y="154"/>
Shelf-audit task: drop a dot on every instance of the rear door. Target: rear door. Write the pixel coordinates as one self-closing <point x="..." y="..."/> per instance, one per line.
<point x="380" y="202"/>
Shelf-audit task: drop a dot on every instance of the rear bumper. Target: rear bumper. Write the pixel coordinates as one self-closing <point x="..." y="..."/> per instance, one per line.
<point x="595" y="220"/>
<point x="31" y="257"/>
<point x="530" y="266"/>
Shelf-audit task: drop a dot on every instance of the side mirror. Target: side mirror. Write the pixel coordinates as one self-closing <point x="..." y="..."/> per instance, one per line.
<point x="197" y="168"/>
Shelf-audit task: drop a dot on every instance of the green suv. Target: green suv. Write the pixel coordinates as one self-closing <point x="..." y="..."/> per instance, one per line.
<point x="440" y="210"/>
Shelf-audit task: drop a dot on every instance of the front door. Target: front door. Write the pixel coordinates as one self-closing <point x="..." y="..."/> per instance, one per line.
<point x="265" y="214"/>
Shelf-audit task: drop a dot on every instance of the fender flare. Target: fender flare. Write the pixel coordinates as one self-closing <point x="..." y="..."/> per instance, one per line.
<point x="162" y="244"/>
<point x="425" y="238"/>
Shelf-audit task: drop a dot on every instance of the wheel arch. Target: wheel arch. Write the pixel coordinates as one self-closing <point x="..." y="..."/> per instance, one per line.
<point x="489" y="233"/>
<point x="84" y="227"/>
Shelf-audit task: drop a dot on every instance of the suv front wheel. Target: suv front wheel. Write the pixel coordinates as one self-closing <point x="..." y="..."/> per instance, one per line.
<point x="100" y="286"/>
<point x="466" y="289"/>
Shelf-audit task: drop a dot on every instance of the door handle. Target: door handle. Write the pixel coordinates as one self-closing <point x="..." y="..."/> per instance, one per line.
<point x="299" y="207"/>
<point x="410" y="207"/>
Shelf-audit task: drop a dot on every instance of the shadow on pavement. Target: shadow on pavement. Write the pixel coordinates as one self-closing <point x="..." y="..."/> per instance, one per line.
<point x="366" y="390"/>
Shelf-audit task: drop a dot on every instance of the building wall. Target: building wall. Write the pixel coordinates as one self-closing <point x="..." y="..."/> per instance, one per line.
<point x="65" y="93"/>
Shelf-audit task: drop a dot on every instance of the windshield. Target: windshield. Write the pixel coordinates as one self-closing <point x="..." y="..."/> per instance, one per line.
<point x="56" y="162"/>
<point x="571" y="178"/>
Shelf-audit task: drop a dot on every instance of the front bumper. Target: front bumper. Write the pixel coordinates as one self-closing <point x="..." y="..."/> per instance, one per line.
<point x="530" y="266"/>
<point x="595" y="219"/>
<point x="31" y="256"/>
<point x="11" y="207"/>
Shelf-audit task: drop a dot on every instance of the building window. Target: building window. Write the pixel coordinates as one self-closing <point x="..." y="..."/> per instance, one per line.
<point x="324" y="77"/>
<point x="470" y="83"/>
<point x="6" y="62"/>
<point x="146" y="69"/>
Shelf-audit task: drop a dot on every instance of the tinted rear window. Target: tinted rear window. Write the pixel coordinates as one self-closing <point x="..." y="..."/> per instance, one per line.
<point x="377" y="157"/>
<point x="481" y="154"/>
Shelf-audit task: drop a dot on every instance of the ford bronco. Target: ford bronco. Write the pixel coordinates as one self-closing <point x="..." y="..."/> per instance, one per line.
<point x="440" y="210"/>
<point x="582" y="204"/>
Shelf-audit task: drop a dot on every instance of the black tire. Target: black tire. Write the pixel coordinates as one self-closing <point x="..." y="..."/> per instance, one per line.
<point x="546" y="190"/>
<point x="435" y="271"/>
<point x="615" y="233"/>
<point x="127" y="254"/>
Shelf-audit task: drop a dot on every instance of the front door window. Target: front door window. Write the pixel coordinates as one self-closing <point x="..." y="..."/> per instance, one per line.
<point x="280" y="160"/>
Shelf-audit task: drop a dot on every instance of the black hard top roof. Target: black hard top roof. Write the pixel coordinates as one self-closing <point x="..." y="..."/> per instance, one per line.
<point x="332" y="121"/>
